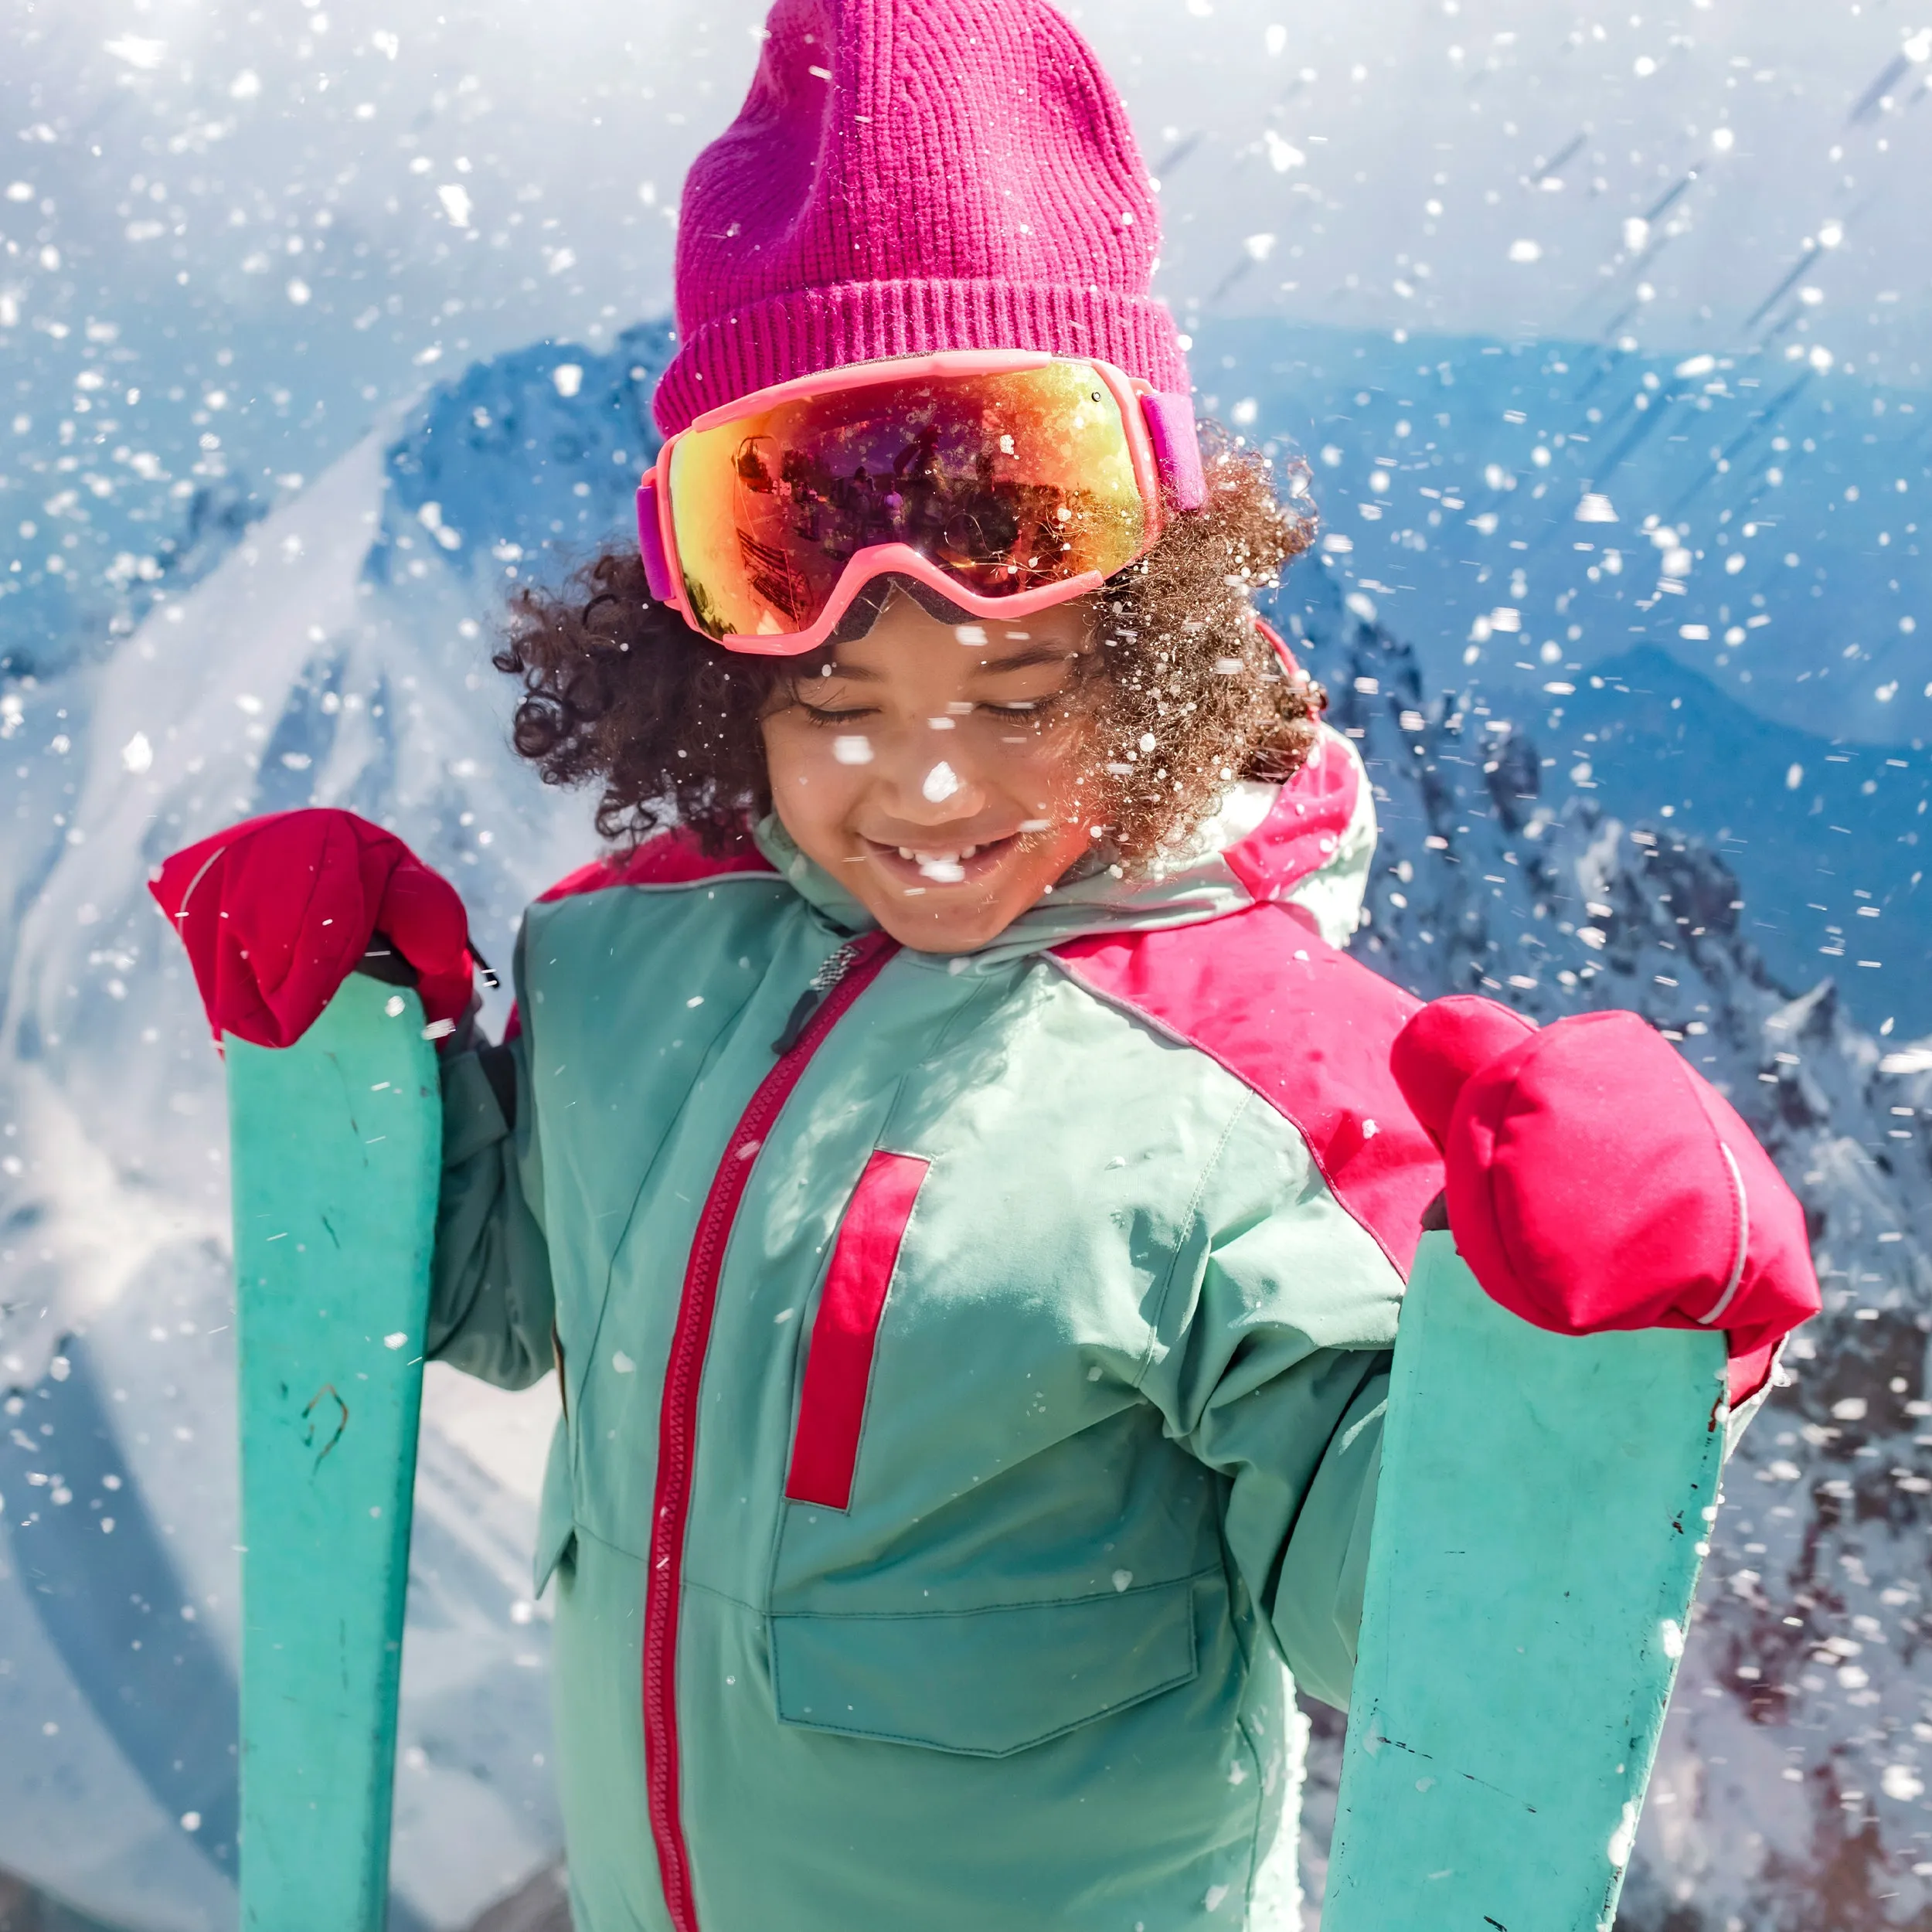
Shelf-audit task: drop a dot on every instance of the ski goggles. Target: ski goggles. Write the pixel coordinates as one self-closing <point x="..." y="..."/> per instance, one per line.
<point x="1006" y="481"/>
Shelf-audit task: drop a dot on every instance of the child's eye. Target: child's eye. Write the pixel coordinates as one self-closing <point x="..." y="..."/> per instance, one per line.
<point x="1024" y="708"/>
<point x="827" y="717"/>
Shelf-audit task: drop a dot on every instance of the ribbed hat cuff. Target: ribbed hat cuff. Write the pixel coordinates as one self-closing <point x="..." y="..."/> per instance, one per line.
<point x="804" y="331"/>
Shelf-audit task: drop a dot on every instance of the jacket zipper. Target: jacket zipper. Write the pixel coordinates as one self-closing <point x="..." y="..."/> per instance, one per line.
<point x="858" y="964"/>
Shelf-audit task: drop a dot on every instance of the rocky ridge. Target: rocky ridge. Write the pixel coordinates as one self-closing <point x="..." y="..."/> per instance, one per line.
<point x="1790" y="1788"/>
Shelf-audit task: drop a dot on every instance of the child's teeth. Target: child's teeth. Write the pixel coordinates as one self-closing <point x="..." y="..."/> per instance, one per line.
<point x="905" y="852"/>
<point x="968" y="853"/>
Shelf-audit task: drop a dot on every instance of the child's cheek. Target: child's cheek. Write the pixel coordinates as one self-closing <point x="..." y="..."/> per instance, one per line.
<point x="816" y="787"/>
<point x="1056" y="771"/>
<point x="794" y="766"/>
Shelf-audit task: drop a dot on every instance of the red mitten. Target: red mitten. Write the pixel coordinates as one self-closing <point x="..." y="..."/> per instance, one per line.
<point x="276" y="912"/>
<point x="1595" y="1181"/>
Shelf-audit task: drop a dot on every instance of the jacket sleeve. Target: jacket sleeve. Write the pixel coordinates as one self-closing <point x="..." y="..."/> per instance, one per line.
<point x="491" y="1308"/>
<point x="1271" y="1367"/>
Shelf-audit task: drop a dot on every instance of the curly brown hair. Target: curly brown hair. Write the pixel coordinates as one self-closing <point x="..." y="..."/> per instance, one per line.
<point x="618" y="690"/>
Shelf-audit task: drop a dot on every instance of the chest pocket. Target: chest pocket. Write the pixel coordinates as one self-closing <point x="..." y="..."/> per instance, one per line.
<point x="832" y="1405"/>
<point x="984" y="1682"/>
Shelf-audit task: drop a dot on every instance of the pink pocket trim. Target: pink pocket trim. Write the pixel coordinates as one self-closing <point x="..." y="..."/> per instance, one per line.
<point x="832" y="1408"/>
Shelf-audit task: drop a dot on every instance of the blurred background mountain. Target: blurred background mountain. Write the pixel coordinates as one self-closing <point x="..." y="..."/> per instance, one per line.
<point x="1606" y="342"/>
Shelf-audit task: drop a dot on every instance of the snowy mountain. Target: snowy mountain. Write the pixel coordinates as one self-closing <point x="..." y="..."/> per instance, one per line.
<point x="1746" y="539"/>
<point x="1790" y="1790"/>
<point x="1762" y="517"/>
<point x="1602" y="818"/>
<point x="227" y="230"/>
<point x="335" y="653"/>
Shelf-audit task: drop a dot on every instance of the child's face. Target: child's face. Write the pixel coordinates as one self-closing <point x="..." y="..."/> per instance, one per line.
<point x="937" y="770"/>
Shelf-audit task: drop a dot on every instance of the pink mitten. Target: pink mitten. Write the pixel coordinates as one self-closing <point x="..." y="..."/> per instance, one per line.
<point x="1595" y="1181"/>
<point x="276" y="912"/>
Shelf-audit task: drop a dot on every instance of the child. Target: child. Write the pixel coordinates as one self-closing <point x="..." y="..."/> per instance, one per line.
<point x="964" y="1192"/>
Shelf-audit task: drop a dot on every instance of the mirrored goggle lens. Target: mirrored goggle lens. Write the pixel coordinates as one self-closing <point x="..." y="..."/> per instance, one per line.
<point x="1008" y="483"/>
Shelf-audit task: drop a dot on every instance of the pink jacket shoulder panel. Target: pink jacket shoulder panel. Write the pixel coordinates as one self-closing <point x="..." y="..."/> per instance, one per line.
<point x="1303" y="1025"/>
<point x="673" y="857"/>
<point x="1310" y="815"/>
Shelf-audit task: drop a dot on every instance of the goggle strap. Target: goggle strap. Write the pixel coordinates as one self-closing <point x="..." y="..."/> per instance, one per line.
<point x="1278" y="644"/>
<point x="1177" y="448"/>
<point x="657" y="565"/>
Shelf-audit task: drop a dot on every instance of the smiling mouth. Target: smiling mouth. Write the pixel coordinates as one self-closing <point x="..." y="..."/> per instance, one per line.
<point x="920" y="868"/>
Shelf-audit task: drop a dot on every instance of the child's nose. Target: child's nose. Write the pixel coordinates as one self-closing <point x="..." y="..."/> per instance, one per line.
<point x="934" y="783"/>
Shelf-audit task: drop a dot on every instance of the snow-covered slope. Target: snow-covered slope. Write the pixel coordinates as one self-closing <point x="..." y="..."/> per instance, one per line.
<point x="1791" y="1795"/>
<point x="337" y="654"/>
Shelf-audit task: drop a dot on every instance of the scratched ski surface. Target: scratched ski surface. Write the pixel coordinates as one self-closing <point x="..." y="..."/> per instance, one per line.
<point x="336" y="1145"/>
<point x="1544" y="1506"/>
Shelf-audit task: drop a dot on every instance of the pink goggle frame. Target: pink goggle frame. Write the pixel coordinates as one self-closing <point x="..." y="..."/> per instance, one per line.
<point x="1162" y="444"/>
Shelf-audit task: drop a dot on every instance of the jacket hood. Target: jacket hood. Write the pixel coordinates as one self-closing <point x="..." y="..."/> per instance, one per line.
<point x="1309" y="841"/>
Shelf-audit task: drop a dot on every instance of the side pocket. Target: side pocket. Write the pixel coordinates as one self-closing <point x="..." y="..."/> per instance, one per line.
<point x="831" y="1407"/>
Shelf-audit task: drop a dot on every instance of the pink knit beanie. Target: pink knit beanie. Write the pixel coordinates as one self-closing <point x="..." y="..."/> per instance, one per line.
<point x="912" y="175"/>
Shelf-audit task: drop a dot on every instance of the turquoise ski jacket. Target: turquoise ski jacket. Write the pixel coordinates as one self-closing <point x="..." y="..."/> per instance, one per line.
<point x="973" y="1372"/>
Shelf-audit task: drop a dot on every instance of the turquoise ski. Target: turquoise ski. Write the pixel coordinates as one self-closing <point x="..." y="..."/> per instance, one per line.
<point x="336" y="1145"/>
<point x="1544" y="1507"/>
